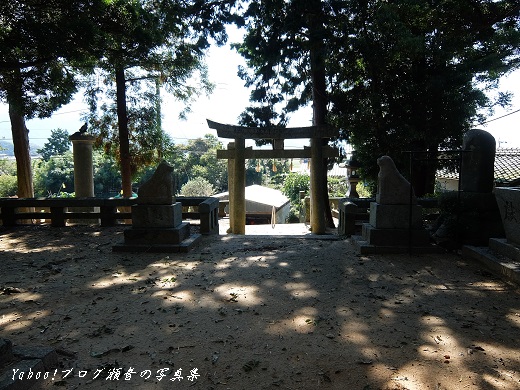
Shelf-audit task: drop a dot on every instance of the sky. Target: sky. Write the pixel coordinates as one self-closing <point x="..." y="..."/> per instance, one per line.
<point x="229" y="99"/>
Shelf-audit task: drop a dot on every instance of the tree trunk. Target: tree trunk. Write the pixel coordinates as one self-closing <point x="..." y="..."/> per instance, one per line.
<point x="319" y="102"/>
<point x="124" y="143"/>
<point x="424" y="168"/>
<point x="21" y="152"/>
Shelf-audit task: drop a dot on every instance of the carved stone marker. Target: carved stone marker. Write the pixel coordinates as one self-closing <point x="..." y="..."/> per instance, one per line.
<point x="395" y="223"/>
<point x="392" y="187"/>
<point x="157" y="219"/>
<point x="159" y="189"/>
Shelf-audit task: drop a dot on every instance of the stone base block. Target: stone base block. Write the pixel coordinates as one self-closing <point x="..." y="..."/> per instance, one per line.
<point x="347" y="218"/>
<point x="395" y="216"/>
<point x="157" y="236"/>
<point x="505" y="248"/>
<point x="501" y="265"/>
<point x="157" y="216"/>
<point x="395" y="237"/>
<point x="47" y="355"/>
<point x="7" y="382"/>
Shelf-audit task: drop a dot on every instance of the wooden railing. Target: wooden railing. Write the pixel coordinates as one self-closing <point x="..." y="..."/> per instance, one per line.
<point x="103" y="211"/>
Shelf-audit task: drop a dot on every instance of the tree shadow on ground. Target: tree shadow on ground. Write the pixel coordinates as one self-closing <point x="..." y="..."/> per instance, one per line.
<point x="257" y="313"/>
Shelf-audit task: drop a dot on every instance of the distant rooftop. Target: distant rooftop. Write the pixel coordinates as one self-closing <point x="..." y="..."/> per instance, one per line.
<point x="507" y="168"/>
<point x="261" y="195"/>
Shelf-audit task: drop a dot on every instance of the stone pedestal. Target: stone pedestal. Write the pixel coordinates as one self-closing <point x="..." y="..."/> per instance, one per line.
<point x="395" y="223"/>
<point x="391" y="230"/>
<point x="157" y="222"/>
<point x="157" y="228"/>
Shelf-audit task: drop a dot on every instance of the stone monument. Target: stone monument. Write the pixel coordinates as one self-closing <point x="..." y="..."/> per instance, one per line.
<point x="476" y="217"/>
<point x="157" y="218"/>
<point x="395" y="223"/>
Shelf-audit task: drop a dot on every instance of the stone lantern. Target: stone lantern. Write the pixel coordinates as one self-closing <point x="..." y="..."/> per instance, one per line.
<point x="352" y="166"/>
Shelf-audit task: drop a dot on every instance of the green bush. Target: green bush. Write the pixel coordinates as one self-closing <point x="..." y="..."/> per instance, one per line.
<point x="337" y="186"/>
<point x="197" y="187"/>
<point x="293" y="184"/>
<point x="8" y="186"/>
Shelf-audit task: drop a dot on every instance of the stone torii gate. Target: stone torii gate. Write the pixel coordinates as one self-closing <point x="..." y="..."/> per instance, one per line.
<point x="237" y="153"/>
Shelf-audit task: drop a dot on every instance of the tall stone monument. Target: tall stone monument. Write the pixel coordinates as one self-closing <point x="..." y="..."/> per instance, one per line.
<point x="395" y="224"/>
<point x="82" y="144"/>
<point x="475" y="217"/>
<point x="157" y="218"/>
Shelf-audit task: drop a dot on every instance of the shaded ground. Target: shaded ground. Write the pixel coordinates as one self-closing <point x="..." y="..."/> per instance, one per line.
<point x="256" y="313"/>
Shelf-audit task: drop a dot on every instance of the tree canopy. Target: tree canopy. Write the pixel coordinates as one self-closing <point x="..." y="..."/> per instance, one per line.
<point x="58" y="143"/>
<point x="400" y="75"/>
<point x="41" y="42"/>
<point x="150" y="45"/>
<point x="142" y="45"/>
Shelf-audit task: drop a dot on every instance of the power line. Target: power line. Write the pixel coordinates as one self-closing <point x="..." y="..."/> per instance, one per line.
<point x="500" y="117"/>
<point x="59" y="113"/>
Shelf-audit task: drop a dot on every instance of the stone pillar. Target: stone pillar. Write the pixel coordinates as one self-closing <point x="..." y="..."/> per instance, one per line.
<point x="83" y="172"/>
<point x="478" y="215"/>
<point x="317" y="201"/>
<point x="83" y="164"/>
<point x="231" y="184"/>
<point x="478" y="162"/>
<point x="238" y="207"/>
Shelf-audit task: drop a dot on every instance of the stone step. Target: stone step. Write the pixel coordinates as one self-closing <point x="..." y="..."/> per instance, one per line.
<point x="506" y="267"/>
<point x="23" y="368"/>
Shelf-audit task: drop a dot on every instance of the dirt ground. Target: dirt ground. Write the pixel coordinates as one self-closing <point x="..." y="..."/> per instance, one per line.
<point x="255" y="312"/>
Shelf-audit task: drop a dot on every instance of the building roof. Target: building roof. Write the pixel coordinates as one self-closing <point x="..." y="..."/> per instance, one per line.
<point x="507" y="168"/>
<point x="261" y="195"/>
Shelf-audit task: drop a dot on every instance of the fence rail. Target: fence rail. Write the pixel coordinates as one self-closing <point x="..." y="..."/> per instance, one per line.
<point x="106" y="212"/>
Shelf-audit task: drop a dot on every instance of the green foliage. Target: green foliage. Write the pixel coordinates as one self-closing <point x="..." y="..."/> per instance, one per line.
<point x="149" y="45"/>
<point x="58" y="144"/>
<point x="401" y="75"/>
<point x="54" y="176"/>
<point x="366" y="189"/>
<point x="293" y="184"/>
<point x="337" y="186"/>
<point x="8" y="167"/>
<point x="198" y="158"/>
<point x="107" y="178"/>
<point x="197" y="187"/>
<point x="8" y="185"/>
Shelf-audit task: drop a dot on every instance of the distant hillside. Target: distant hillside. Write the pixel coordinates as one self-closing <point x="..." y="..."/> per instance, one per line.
<point x="7" y="149"/>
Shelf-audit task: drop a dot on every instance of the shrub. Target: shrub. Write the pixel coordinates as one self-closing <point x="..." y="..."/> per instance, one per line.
<point x="197" y="187"/>
<point x="293" y="184"/>
<point x="8" y="185"/>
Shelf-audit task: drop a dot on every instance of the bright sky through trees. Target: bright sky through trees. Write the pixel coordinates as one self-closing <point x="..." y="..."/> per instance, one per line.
<point x="229" y="99"/>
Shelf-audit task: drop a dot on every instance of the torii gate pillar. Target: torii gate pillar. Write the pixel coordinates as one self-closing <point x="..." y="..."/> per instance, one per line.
<point x="317" y="218"/>
<point x="237" y="189"/>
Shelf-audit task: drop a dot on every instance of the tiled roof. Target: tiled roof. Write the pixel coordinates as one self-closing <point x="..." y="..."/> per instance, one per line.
<point x="507" y="168"/>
